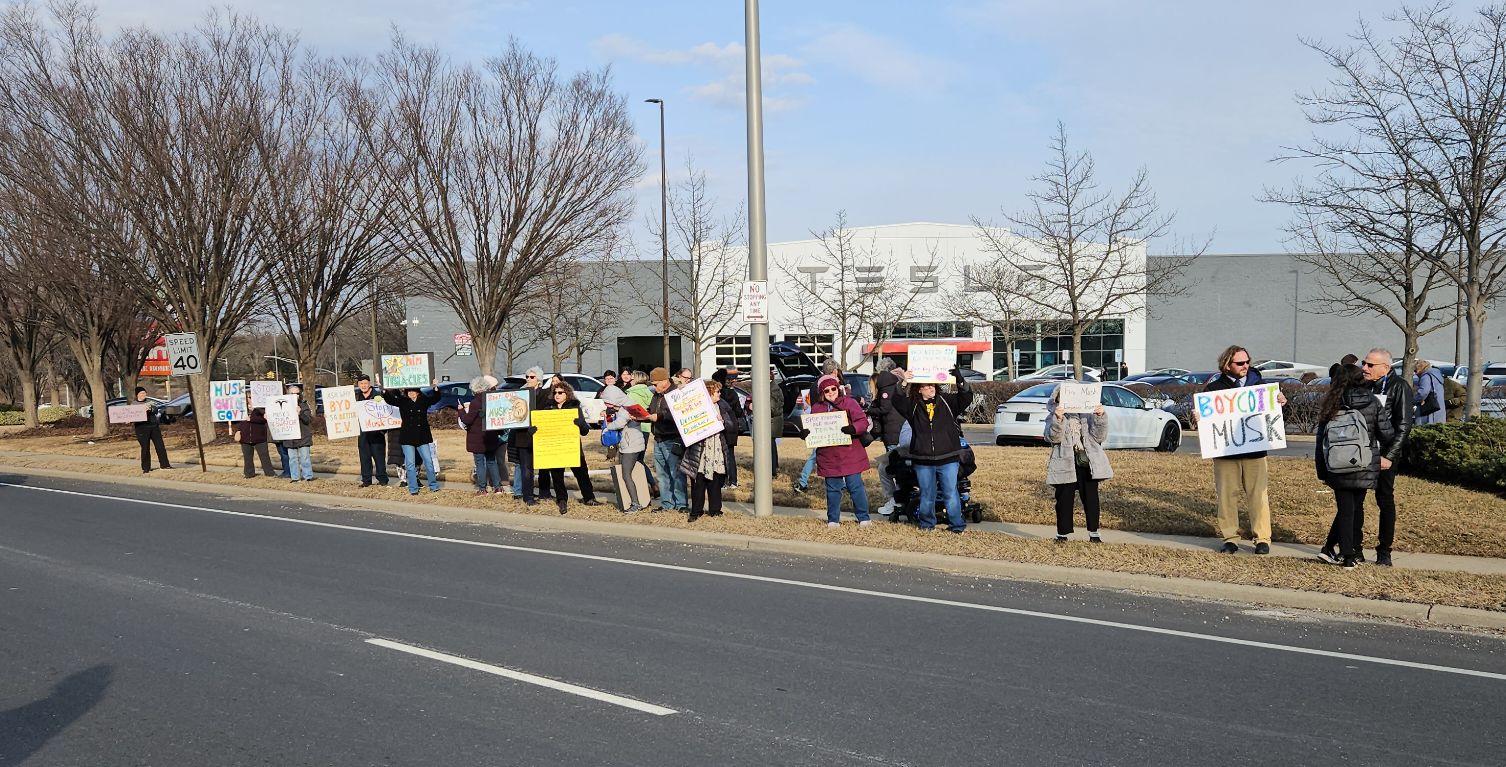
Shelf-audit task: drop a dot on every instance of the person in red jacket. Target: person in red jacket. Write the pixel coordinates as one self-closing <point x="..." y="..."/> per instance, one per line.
<point x="842" y="466"/>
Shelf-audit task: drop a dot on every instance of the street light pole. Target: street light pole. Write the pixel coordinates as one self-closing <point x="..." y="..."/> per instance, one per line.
<point x="758" y="267"/>
<point x="663" y="227"/>
<point x="1296" y="291"/>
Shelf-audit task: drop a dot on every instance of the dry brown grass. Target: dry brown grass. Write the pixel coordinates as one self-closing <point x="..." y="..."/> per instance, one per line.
<point x="1420" y="586"/>
<point x="1151" y="492"/>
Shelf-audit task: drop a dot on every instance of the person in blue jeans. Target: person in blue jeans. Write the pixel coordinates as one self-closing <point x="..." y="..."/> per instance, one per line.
<point x="674" y="494"/>
<point x="842" y="466"/>
<point x="936" y="446"/>
<point x="416" y="438"/>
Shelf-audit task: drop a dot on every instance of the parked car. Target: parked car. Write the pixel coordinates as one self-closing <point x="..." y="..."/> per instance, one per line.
<point x="180" y="406"/>
<point x="1282" y="367"/>
<point x="1133" y="422"/>
<point x="585" y="386"/>
<point x="858" y="384"/>
<point x="1164" y="372"/>
<point x="87" y="411"/>
<point x="1201" y="377"/>
<point x="1160" y="379"/>
<point x="973" y="376"/>
<point x="1062" y="371"/>
<point x="452" y="395"/>
<point x="1149" y="392"/>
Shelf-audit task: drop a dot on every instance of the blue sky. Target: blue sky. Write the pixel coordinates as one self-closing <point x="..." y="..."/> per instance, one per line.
<point x="912" y="111"/>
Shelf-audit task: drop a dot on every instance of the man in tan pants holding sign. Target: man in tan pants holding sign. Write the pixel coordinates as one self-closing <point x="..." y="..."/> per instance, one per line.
<point x="1241" y="477"/>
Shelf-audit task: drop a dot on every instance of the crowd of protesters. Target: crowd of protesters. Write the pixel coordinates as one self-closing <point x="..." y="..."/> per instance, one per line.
<point x="1364" y="420"/>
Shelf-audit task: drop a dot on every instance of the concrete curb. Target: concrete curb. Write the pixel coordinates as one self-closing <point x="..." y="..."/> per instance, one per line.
<point x="1439" y="615"/>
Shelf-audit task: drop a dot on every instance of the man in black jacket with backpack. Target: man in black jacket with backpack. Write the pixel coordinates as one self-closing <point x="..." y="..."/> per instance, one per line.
<point x="1395" y="396"/>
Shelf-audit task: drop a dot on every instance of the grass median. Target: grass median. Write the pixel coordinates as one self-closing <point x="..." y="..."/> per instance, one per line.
<point x="1008" y="468"/>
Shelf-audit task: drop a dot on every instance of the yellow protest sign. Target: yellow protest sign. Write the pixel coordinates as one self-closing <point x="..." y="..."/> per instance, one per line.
<point x="556" y="444"/>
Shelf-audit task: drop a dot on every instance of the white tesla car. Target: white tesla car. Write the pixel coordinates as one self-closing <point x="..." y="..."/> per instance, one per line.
<point x="1133" y="423"/>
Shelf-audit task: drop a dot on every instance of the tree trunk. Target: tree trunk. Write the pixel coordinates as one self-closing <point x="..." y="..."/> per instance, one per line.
<point x="28" y="397"/>
<point x="1077" y="352"/>
<point x="98" y="395"/>
<point x="486" y="353"/>
<point x="203" y="415"/>
<point x="308" y="371"/>
<point x="698" y="347"/>
<point x="1475" y="319"/>
<point x="1409" y="356"/>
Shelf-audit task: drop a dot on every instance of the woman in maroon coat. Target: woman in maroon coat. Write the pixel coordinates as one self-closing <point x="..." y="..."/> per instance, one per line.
<point x="480" y="443"/>
<point x="842" y="466"/>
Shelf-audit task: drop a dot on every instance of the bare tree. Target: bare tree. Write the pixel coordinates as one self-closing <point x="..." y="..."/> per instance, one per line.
<point x="704" y="299"/>
<point x="1374" y="240"/>
<point x="1081" y="249"/>
<point x="1434" y="96"/>
<point x="23" y="334"/>
<point x="993" y="296"/>
<point x="565" y="309"/>
<point x="325" y="213"/>
<point x="851" y="291"/>
<point x="519" y="336"/>
<point x="499" y="173"/>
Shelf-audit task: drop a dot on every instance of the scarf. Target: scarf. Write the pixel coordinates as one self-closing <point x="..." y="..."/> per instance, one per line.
<point x="713" y="459"/>
<point x="1072" y="437"/>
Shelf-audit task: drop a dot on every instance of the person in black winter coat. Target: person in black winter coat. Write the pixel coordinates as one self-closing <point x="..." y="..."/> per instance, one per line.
<point x="149" y="433"/>
<point x="936" y="446"/>
<point x="887" y="422"/>
<point x="562" y="397"/>
<point x="371" y="446"/>
<point x="1349" y="391"/>
<point x="1395" y="394"/>
<point x="728" y="397"/>
<point x="416" y="438"/>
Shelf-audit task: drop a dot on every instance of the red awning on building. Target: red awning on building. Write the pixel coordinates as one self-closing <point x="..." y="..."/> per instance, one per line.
<point x="902" y="345"/>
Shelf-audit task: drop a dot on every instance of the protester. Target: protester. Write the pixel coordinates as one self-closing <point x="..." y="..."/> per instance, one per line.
<point x="1430" y="406"/>
<point x="1351" y="422"/>
<point x="562" y="397"/>
<point x="371" y="445"/>
<point x="395" y="458"/>
<point x="1241" y="477"/>
<point x="842" y="466"/>
<point x="725" y="377"/>
<point x="300" y="463"/>
<point x="936" y="446"/>
<point x="642" y="394"/>
<point x="829" y="367"/>
<point x="776" y="418"/>
<point x="685" y="376"/>
<point x="415" y="436"/>
<point x="1077" y="463"/>
<point x="149" y="435"/>
<point x="1455" y="396"/>
<point x="609" y="378"/>
<point x="668" y="449"/>
<point x="520" y="441"/>
<point x="482" y="444"/>
<point x="631" y="444"/>
<point x="252" y="436"/>
<point x="887" y="422"/>
<point x="1395" y="398"/>
<point x="705" y="462"/>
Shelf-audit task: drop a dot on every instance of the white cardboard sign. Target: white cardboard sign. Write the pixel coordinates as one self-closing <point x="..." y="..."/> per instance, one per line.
<point x="340" y="418"/>
<point x="1077" y="397"/>
<point x="282" y="418"/>
<point x="825" y="429"/>
<point x="1238" y="421"/>
<point x="932" y="363"/>
<point x="695" y="413"/>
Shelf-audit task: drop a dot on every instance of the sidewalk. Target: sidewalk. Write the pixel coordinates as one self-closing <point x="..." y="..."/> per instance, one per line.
<point x="1403" y="560"/>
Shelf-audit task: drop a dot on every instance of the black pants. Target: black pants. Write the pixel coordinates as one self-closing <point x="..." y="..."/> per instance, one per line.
<point x="1385" y="498"/>
<point x="554" y="479"/>
<point x="730" y="456"/>
<point x="525" y="464"/>
<point x="1348" y="528"/>
<point x="706" y="494"/>
<point x="373" y="449"/>
<point x="152" y="435"/>
<point x="1085" y="486"/>
<point x="260" y="451"/>
<point x="582" y="481"/>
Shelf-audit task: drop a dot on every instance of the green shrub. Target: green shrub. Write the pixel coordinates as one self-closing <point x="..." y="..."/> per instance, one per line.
<point x="1469" y="453"/>
<point x="47" y="414"/>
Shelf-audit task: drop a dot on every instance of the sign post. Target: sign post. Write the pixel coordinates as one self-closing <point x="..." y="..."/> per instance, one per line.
<point x="184" y="360"/>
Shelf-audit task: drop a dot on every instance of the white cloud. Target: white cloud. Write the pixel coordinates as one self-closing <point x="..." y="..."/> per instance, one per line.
<point x="783" y="75"/>
<point x="878" y="60"/>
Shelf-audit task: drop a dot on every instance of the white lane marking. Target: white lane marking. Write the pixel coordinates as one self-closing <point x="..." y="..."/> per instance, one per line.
<point x="573" y="689"/>
<point x="809" y="585"/>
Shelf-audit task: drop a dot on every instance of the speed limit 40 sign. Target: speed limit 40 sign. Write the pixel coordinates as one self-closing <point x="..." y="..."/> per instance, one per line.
<point x="183" y="354"/>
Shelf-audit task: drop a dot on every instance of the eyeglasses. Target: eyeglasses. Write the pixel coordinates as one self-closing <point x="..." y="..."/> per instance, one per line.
<point x="1373" y="364"/>
<point x="532" y="378"/>
<point x="560" y="391"/>
<point x="829" y="388"/>
<point x="1239" y="363"/>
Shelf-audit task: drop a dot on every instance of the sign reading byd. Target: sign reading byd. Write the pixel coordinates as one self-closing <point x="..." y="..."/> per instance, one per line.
<point x="183" y="354"/>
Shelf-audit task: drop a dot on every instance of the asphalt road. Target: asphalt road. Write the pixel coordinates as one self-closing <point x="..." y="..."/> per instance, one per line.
<point x="148" y="634"/>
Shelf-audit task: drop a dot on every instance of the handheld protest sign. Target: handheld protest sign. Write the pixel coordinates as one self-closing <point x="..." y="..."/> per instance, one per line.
<point x="556" y="444"/>
<point x="282" y="418"/>
<point x="262" y="392"/>
<point x="825" y="429"/>
<point x="340" y="417"/>
<point x="376" y="415"/>
<point x="127" y="413"/>
<point x="1238" y="421"/>
<point x="932" y="363"/>
<point x="507" y="409"/>
<point x="694" y="411"/>
<point x="227" y="400"/>
<point x="407" y="371"/>
<point x="1079" y="397"/>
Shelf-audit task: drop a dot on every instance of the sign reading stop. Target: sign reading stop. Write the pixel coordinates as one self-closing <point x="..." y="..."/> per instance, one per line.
<point x="183" y="354"/>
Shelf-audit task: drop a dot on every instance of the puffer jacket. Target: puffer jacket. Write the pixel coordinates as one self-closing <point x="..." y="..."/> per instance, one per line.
<point x="936" y="437"/>
<point x="848" y="459"/>
<point x="1061" y="464"/>
<point x="1363" y="399"/>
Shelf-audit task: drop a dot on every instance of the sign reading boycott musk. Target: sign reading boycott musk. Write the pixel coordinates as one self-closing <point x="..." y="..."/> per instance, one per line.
<point x="1238" y="421"/>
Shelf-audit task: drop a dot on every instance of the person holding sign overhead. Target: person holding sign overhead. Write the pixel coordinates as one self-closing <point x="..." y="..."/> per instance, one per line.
<point x="936" y="446"/>
<point x="1077" y="462"/>
<point x="414" y="435"/>
<point x="842" y="465"/>
<point x="1240" y="477"/>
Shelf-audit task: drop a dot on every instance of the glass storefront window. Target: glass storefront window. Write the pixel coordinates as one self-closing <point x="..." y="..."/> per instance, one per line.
<point x="1040" y="350"/>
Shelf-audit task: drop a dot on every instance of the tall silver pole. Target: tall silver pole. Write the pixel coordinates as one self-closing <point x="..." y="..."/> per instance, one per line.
<point x="664" y="232"/>
<point x="758" y="269"/>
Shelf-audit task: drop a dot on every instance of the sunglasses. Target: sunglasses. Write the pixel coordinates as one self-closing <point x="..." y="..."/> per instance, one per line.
<point x="1239" y="363"/>
<point x="560" y="391"/>
<point x="829" y="388"/>
<point x="1373" y="364"/>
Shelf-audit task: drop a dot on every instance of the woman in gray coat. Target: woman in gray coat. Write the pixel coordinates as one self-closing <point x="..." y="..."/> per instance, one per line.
<point x="1077" y="463"/>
